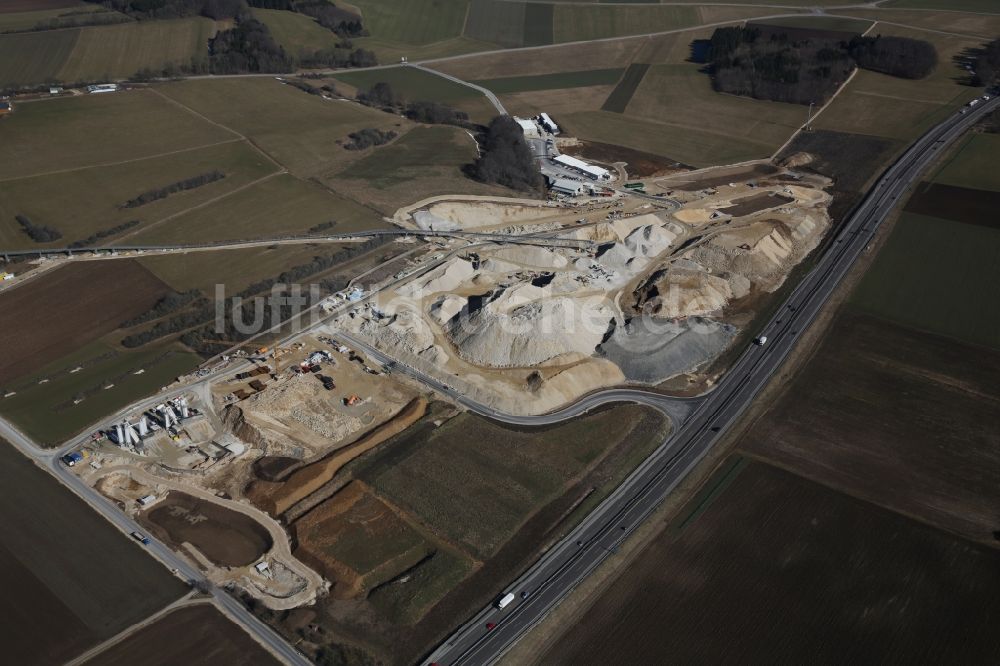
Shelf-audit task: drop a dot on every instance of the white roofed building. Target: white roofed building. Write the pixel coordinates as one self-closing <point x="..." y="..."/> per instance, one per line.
<point x="529" y="127"/>
<point x="595" y="172"/>
<point x="566" y="186"/>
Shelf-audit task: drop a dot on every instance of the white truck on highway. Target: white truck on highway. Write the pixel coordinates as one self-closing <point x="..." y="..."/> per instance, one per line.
<point x="505" y="600"/>
<point x="761" y="341"/>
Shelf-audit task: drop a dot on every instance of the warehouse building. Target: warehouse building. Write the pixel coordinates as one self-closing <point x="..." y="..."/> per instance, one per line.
<point x="566" y="186"/>
<point x="589" y="170"/>
<point x="529" y="127"/>
<point x="547" y="123"/>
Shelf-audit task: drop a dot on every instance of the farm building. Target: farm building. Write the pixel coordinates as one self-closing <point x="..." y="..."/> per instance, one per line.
<point x="595" y="172"/>
<point x="102" y="88"/>
<point x="529" y="127"/>
<point x="566" y="186"/>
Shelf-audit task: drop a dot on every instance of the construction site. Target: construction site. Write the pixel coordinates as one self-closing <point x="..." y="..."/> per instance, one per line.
<point x="520" y="305"/>
<point x="214" y="471"/>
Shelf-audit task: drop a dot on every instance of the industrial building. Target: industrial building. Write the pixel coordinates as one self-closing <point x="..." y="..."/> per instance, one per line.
<point x="529" y="127"/>
<point x="589" y="170"/>
<point x="566" y="186"/>
<point x="547" y="123"/>
<point x="102" y="88"/>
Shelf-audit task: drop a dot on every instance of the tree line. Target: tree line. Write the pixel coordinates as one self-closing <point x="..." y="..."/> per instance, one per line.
<point x="368" y="138"/>
<point x="803" y="67"/>
<point x="986" y="67"/>
<point x="382" y="96"/>
<point x="39" y="234"/>
<point x="163" y="192"/>
<point x="169" y="9"/>
<point x="104" y="233"/>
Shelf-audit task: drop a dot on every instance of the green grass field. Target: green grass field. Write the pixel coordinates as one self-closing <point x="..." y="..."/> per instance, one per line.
<point x="989" y="6"/>
<point x="690" y="145"/>
<point x="581" y="79"/>
<point x="584" y="22"/>
<point x="74" y="132"/>
<point x="838" y="23"/>
<point x="80" y="203"/>
<point x="896" y="108"/>
<point x="681" y="96"/>
<point x="933" y="274"/>
<point x="424" y="162"/>
<point x="234" y="269"/>
<point x="413" y="21"/>
<point x="497" y="476"/>
<point x="278" y="206"/>
<point x="119" y="51"/>
<point x="496" y="21"/>
<point x="416" y="84"/>
<point x="34" y="57"/>
<point x="45" y="412"/>
<point x="973" y="165"/>
<point x="299" y="130"/>
<point x="296" y="33"/>
<point x="620" y="97"/>
<point x="15" y="21"/>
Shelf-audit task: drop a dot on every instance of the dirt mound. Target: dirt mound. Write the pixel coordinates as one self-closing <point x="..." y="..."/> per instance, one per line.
<point x="277" y="497"/>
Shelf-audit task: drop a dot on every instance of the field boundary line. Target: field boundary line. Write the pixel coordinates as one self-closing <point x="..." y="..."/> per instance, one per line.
<point x="225" y="195"/>
<point x="963" y="35"/>
<point x="242" y="136"/>
<point x="187" y="600"/>
<point x="118" y="163"/>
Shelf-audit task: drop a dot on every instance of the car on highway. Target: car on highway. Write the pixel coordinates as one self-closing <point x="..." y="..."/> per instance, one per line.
<point x="761" y="341"/>
<point x="490" y="626"/>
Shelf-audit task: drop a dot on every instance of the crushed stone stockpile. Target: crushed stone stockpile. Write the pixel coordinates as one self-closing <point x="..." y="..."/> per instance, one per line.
<point x="524" y="326"/>
<point x="651" y="350"/>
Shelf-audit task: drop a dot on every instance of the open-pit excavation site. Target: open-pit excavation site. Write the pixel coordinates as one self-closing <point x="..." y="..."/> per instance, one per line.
<point x="628" y="289"/>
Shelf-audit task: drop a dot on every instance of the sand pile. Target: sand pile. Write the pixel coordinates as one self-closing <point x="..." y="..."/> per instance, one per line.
<point x="526" y="326"/>
<point x="474" y="214"/>
<point x="532" y="256"/>
<point x="447" y="277"/>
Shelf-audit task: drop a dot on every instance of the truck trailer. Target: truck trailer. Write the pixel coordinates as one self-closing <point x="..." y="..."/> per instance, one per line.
<point x="505" y="600"/>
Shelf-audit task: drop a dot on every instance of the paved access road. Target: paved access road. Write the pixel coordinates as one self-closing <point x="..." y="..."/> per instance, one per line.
<point x="233" y="608"/>
<point x="566" y="564"/>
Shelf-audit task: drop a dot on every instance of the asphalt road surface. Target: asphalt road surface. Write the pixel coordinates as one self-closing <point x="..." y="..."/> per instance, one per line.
<point x="566" y="564"/>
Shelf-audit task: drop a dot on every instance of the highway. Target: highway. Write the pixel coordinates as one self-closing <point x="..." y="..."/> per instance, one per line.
<point x="567" y="563"/>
